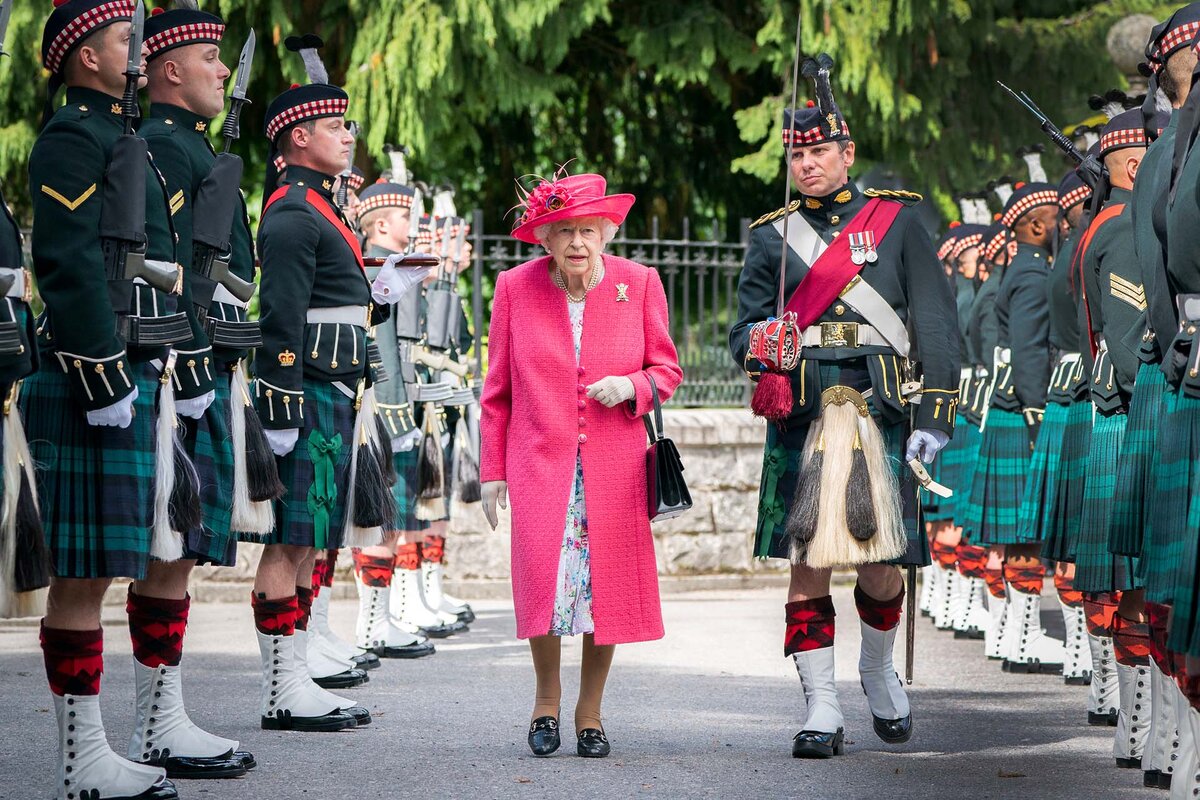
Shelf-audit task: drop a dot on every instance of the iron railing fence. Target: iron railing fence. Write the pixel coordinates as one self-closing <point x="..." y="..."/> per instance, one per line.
<point x="700" y="278"/>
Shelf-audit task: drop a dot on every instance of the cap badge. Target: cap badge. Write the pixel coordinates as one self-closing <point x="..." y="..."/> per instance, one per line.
<point x="622" y="293"/>
<point x="834" y="128"/>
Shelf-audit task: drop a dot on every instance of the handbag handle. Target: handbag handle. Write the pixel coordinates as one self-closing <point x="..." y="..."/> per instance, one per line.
<point x="654" y="429"/>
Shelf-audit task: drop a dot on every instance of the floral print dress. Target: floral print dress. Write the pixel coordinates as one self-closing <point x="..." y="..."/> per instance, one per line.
<point x="573" y="597"/>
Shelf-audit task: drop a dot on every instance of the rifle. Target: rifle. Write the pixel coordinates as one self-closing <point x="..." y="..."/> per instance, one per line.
<point x="1089" y="168"/>
<point x="123" y="215"/>
<point x="343" y="192"/>
<point x="217" y="202"/>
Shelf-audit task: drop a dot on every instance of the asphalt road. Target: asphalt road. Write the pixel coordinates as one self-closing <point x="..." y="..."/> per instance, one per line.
<point x="707" y="712"/>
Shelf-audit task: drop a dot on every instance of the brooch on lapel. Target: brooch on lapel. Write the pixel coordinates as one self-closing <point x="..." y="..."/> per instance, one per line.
<point x="622" y="292"/>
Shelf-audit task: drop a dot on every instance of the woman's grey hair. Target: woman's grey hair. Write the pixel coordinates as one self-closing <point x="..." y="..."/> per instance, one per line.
<point x="608" y="230"/>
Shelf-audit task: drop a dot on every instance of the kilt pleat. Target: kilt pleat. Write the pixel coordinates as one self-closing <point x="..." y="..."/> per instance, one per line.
<point x="1170" y="550"/>
<point x="1137" y="456"/>
<point x="946" y="469"/>
<point x="95" y="484"/>
<point x="781" y="471"/>
<point x="209" y="442"/>
<point x="405" y="491"/>
<point x="963" y="473"/>
<point x="999" y="478"/>
<point x="329" y="413"/>
<point x="1067" y="505"/>
<point x="1037" y="500"/>
<point x="1096" y="568"/>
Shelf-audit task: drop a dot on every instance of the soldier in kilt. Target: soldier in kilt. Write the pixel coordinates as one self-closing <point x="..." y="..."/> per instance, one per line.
<point x="114" y="494"/>
<point x="983" y="332"/>
<point x="844" y="354"/>
<point x="1067" y="383"/>
<point x="1137" y="504"/>
<point x="384" y="217"/>
<point x="1022" y="373"/>
<point x="186" y="75"/>
<point x="311" y="390"/>
<point x="955" y="563"/>
<point x="1115" y="295"/>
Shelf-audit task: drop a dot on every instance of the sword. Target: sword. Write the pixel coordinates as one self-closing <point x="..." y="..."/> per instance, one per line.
<point x="6" y="7"/>
<point x="232" y="129"/>
<point x="133" y="68"/>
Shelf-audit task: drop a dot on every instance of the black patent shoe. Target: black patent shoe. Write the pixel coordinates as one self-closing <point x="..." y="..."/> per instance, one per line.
<point x="1078" y="680"/>
<point x="1129" y="763"/>
<point x="247" y="758"/>
<point x="544" y="738"/>
<point x="466" y="616"/>
<point x="163" y="790"/>
<point x="366" y="661"/>
<point x="893" y="731"/>
<point x="817" y="744"/>
<point x="441" y="631"/>
<point x="361" y="715"/>
<point x="229" y="765"/>
<point x="414" y="650"/>
<point x="592" y="743"/>
<point x="1108" y="720"/>
<point x="333" y="721"/>
<point x="343" y="680"/>
<point x="1151" y="778"/>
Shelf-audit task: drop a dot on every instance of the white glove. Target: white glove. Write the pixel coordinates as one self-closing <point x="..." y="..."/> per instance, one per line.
<point x="494" y="492"/>
<point x="925" y="442"/>
<point x="118" y="415"/>
<point x="394" y="282"/>
<point x="612" y="390"/>
<point x="195" y="407"/>
<point x="282" y="441"/>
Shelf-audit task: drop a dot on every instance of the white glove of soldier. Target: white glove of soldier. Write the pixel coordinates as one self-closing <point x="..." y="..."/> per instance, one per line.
<point x="612" y="390"/>
<point x="194" y="407"/>
<point x="282" y="441"/>
<point x="394" y="282"/>
<point x="494" y="492"/>
<point x="925" y="443"/>
<point x="118" y="415"/>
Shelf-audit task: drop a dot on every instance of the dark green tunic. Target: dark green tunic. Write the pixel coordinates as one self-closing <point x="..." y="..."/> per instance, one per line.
<point x="1116" y="300"/>
<point x="907" y="275"/>
<point x="18" y="355"/>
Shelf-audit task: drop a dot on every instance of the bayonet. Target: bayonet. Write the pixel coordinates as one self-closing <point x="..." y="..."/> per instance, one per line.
<point x="343" y="195"/>
<point x="414" y="218"/>
<point x="133" y="68"/>
<point x="5" y="15"/>
<point x="232" y="129"/>
<point x="1088" y="167"/>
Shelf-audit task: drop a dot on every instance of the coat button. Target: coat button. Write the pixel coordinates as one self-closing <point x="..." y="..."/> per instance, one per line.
<point x="582" y="389"/>
<point x="582" y="438"/>
<point x="580" y="369"/>
<point x="582" y="422"/>
<point x="582" y="405"/>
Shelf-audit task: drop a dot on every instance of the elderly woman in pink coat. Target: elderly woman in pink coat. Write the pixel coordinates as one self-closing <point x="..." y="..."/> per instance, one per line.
<point x="577" y="339"/>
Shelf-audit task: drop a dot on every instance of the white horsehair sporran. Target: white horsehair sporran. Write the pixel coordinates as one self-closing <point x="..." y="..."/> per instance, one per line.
<point x="847" y="508"/>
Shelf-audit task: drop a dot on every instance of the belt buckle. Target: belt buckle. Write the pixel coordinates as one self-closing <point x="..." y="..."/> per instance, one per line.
<point x="839" y="334"/>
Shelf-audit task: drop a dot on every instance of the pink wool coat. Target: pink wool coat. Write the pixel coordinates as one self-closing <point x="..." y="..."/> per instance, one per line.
<point x="537" y="415"/>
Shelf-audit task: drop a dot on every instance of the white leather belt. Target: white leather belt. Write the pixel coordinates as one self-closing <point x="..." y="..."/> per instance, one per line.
<point x="223" y="295"/>
<point x="22" y="287"/>
<point x="843" y="334"/>
<point x="338" y="315"/>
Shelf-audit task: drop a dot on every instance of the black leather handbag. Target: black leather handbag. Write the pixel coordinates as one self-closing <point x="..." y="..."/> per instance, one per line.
<point x="666" y="492"/>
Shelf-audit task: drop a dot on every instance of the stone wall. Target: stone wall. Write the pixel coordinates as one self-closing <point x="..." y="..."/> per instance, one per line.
<point x="722" y="456"/>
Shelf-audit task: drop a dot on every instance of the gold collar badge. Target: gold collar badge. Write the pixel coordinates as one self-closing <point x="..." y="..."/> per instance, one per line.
<point x="201" y="127"/>
<point x="812" y="203"/>
<point x="844" y="196"/>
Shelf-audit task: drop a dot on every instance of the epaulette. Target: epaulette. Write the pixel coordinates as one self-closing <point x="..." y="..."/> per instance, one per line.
<point x="908" y="198"/>
<point x="776" y="214"/>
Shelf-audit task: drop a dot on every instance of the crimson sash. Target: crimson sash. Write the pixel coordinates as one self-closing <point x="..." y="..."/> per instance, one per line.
<point x="1108" y="213"/>
<point x="322" y="207"/>
<point x="833" y="270"/>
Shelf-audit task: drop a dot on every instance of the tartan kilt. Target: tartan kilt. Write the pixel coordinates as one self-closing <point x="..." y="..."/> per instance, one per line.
<point x="1068" y="490"/>
<point x="969" y="438"/>
<point x="999" y="479"/>
<point x="95" y="484"/>
<point x="1133" y="467"/>
<point x="209" y="442"/>
<point x="1037" y="501"/>
<point x="1096" y="568"/>
<point x="405" y="491"/>
<point x="1170" y="548"/>
<point x="329" y="413"/>
<point x="782" y="454"/>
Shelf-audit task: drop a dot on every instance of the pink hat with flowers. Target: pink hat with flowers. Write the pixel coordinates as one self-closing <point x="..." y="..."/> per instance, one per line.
<point x="568" y="197"/>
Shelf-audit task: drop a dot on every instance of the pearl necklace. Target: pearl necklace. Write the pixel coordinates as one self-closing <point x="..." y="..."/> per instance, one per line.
<point x="561" y="283"/>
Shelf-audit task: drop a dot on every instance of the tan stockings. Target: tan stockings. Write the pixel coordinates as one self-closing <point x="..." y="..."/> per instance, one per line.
<point x="593" y="674"/>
